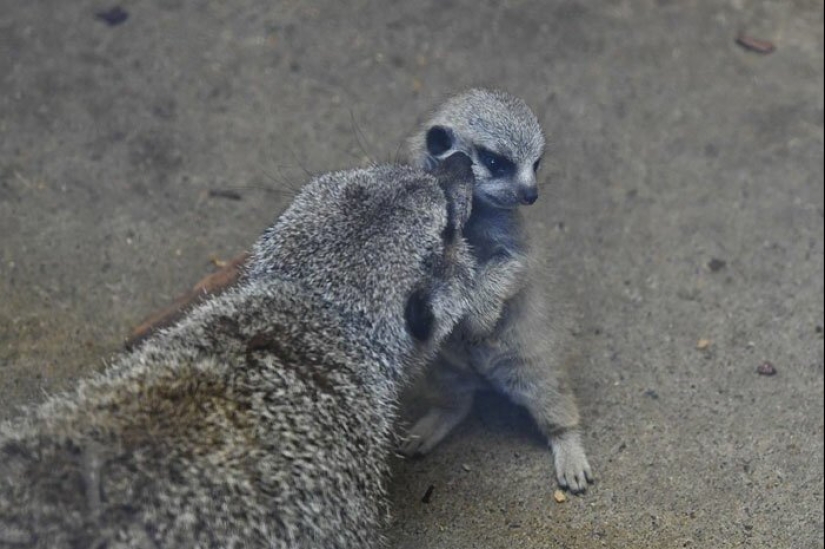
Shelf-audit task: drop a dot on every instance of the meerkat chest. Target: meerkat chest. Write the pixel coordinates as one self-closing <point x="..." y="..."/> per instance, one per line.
<point x="493" y="233"/>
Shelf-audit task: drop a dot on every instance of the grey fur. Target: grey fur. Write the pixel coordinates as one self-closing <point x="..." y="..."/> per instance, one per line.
<point x="518" y="336"/>
<point x="263" y="419"/>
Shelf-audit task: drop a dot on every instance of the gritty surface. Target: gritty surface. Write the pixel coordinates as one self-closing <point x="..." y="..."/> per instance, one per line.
<point x="683" y="193"/>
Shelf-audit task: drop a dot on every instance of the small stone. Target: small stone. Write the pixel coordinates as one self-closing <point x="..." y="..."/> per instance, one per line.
<point x="703" y="344"/>
<point x="217" y="261"/>
<point x="114" y="16"/>
<point x="715" y="265"/>
<point x="757" y="45"/>
<point x="766" y="369"/>
<point x="559" y="496"/>
<point x="650" y="393"/>
<point x="466" y="467"/>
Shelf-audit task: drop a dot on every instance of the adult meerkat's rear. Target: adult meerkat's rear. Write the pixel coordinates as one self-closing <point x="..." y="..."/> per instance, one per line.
<point x="263" y="419"/>
<point x="518" y="335"/>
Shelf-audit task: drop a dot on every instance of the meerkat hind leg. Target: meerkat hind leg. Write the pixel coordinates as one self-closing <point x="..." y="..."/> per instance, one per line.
<point x="552" y="406"/>
<point x="573" y="471"/>
<point x="453" y="389"/>
<point x="436" y="424"/>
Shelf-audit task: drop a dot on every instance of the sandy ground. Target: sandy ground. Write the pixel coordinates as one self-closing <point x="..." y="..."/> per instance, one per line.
<point x="683" y="194"/>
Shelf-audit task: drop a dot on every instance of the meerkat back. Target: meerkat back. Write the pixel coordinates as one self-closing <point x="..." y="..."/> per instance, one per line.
<point x="263" y="418"/>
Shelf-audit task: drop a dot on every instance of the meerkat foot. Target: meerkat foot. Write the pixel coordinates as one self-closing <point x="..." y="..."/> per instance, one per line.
<point x="431" y="429"/>
<point x="572" y="468"/>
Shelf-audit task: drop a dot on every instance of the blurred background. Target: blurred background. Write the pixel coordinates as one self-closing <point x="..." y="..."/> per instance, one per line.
<point x="142" y="143"/>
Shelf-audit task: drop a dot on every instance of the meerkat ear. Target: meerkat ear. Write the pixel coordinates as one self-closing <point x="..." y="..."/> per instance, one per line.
<point x="455" y="175"/>
<point x="419" y="315"/>
<point x="439" y="140"/>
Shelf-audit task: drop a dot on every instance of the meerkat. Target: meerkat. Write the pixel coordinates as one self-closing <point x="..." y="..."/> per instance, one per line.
<point x="518" y="336"/>
<point x="264" y="417"/>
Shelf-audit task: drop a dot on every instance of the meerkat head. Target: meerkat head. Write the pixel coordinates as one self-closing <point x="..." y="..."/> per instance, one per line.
<point x="381" y="246"/>
<point x="501" y="135"/>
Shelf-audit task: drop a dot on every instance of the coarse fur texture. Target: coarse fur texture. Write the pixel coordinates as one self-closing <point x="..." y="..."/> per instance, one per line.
<point x="519" y="335"/>
<point x="263" y="419"/>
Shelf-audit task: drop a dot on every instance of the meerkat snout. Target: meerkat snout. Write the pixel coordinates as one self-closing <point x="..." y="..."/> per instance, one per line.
<point x="455" y="177"/>
<point x="529" y="195"/>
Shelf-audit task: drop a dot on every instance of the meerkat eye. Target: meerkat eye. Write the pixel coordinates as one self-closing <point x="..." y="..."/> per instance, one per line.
<point x="498" y="165"/>
<point x="536" y="165"/>
<point x="439" y="140"/>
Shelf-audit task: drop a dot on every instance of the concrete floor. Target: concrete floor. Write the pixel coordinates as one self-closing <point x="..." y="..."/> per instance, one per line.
<point x="684" y="195"/>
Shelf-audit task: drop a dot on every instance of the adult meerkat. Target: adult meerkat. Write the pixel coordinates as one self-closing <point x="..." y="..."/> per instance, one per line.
<point x="263" y="419"/>
<point x="518" y="335"/>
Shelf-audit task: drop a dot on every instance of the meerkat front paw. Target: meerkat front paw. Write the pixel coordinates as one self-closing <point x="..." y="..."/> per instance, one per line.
<point x="499" y="281"/>
<point x="572" y="468"/>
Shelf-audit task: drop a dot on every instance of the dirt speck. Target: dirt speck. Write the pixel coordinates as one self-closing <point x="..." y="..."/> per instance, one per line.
<point x="766" y="369"/>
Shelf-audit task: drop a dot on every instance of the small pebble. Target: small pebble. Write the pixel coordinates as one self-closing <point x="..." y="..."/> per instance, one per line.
<point x="703" y="344"/>
<point x="650" y="393"/>
<point x="217" y="261"/>
<point x="466" y="467"/>
<point x="114" y="16"/>
<point x="225" y="193"/>
<point x="766" y="369"/>
<point x="559" y="496"/>
<point x="716" y="265"/>
<point x="757" y="45"/>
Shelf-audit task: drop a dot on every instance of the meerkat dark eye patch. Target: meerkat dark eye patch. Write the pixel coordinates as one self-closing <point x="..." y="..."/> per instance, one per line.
<point x="536" y="165"/>
<point x="419" y="315"/>
<point x="439" y="140"/>
<point x="497" y="164"/>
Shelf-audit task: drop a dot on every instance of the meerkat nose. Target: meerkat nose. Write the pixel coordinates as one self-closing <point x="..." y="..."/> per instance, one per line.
<point x="528" y="195"/>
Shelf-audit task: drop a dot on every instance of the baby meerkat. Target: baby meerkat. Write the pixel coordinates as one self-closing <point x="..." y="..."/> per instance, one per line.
<point x="264" y="418"/>
<point x="518" y="335"/>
